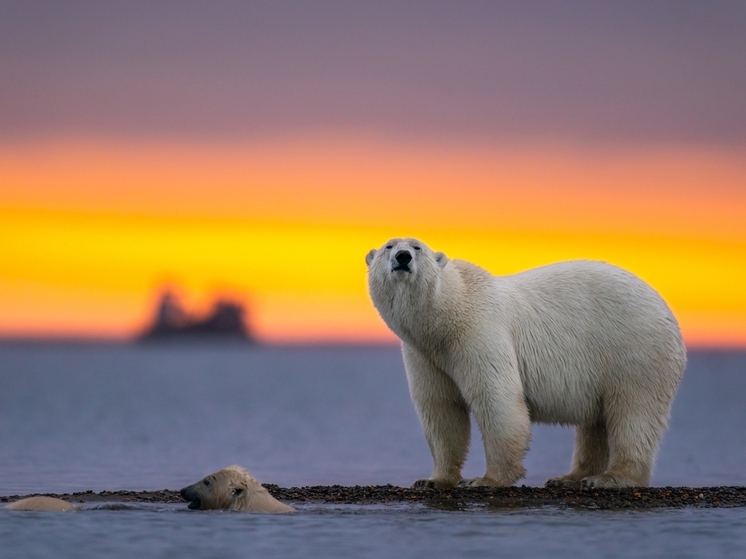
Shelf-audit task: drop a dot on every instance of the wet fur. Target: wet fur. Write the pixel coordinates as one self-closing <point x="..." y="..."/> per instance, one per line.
<point x="232" y="488"/>
<point x="41" y="503"/>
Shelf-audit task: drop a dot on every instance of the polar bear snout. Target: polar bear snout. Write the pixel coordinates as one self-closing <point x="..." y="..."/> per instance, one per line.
<point x="402" y="260"/>
<point x="192" y="497"/>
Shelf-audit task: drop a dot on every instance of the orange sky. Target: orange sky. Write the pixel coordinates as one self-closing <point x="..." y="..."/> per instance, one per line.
<point x="91" y="230"/>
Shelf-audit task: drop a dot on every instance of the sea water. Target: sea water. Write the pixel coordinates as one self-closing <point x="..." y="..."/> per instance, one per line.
<point x="75" y="417"/>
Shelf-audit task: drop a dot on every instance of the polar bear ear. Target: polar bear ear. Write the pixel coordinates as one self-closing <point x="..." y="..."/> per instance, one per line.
<point x="441" y="259"/>
<point x="370" y="256"/>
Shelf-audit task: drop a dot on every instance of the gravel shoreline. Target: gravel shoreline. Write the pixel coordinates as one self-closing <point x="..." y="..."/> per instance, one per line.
<point x="505" y="497"/>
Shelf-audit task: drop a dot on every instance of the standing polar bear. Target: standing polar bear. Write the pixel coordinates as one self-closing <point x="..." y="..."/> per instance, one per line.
<point x="576" y="343"/>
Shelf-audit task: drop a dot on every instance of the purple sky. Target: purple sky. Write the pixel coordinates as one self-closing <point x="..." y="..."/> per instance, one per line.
<point x="660" y="71"/>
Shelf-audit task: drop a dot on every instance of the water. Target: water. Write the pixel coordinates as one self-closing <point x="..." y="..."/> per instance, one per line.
<point x="77" y="417"/>
<point x="375" y="532"/>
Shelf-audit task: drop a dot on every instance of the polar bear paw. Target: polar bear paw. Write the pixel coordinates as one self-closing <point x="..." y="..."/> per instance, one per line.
<point x="606" y="481"/>
<point x="433" y="484"/>
<point x="480" y="482"/>
<point x="566" y="481"/>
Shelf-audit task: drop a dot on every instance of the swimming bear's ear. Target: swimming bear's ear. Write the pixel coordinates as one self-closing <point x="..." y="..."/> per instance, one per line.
<point x="441" y="259"/>
<point x="370" y="256"/>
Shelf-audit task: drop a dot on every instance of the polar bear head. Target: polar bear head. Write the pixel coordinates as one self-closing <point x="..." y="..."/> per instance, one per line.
<point x="405" y="281"/>
<point x="232" y="488"/>
<point x="404" y="260"/>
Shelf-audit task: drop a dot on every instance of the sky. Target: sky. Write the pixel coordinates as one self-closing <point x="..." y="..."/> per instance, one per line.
<point x="258" y="151"/>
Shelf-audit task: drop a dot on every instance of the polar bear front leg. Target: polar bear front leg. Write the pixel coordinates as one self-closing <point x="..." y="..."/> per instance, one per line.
<point x="496" y="398"/>
<point x="444" y="416"/>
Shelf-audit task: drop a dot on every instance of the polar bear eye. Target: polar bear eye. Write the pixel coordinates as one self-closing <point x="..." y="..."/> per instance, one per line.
<point x="237" y="491"/>
<point x="206" y="482"/>
<point x="389" y="247"/>
<point x="416" y="248"/>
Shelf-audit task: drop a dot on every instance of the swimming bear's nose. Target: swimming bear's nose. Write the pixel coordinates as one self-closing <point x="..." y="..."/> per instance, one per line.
<point x="403" y="257"/>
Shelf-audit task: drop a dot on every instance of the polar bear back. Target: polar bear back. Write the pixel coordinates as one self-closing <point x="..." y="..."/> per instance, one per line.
<point x="579" y="329"/>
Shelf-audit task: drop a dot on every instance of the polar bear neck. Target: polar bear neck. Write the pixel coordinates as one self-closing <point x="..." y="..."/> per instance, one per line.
<point x="423" y="312"/>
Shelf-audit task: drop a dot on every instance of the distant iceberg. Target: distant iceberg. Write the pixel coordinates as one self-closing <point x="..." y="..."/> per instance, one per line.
<point x="226" y="321"/>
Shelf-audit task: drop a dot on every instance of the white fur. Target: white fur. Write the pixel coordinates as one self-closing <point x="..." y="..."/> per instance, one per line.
<point x="232" y="488"/>
<point x="42" y="503"/>
<point x="576" y="343"/>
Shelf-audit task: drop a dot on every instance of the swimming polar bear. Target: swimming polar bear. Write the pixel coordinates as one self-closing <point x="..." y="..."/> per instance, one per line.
<point x="576" y="343"/>
<point x="232" y="488"/>
<point x="41" y="503"/>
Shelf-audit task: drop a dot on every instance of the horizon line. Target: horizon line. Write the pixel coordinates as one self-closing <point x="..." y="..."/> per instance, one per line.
<point x="207" y="341"/>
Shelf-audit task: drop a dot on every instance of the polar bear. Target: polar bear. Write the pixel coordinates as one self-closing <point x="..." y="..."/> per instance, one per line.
<point x="41" y="503"/>
<point x="577" y="343"/>
<point x="232" y="488"/>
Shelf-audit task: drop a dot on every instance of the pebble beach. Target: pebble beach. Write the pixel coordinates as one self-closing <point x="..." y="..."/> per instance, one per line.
<point x="507" y="497"/>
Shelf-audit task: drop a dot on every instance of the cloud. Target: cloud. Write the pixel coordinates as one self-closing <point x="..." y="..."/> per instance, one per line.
<point x="665" y="72"/>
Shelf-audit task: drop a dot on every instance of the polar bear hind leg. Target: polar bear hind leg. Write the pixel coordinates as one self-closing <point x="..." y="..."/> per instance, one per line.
<point x="634" y="426"/>
<point x="636" y="420"/>
<point x="590" y="457"/>
<point x="633" y="441"/>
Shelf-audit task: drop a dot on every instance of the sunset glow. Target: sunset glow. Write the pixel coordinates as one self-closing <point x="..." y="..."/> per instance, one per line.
<point x="92" y="230"/>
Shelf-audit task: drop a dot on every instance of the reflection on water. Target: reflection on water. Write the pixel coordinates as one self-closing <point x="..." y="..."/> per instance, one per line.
<point x="330" y="531"/>
<point x="75" y="417"/>
<point x="125" y="417"/>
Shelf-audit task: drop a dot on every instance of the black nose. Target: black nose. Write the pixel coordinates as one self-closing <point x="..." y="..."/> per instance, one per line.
<point x="403" y="257"/>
